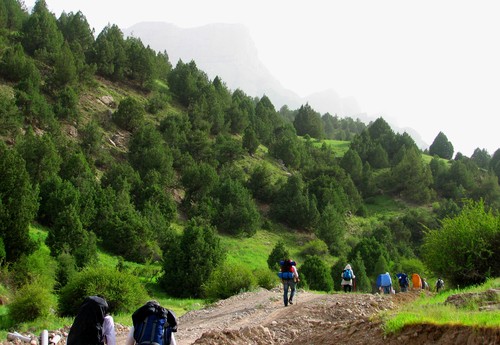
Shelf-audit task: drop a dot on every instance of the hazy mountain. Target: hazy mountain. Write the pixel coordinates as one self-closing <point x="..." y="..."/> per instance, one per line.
<point x="228" y="51"/>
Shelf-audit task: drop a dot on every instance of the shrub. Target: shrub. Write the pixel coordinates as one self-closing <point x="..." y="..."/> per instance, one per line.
<point x="315" y="247"/>
<point x="317" y="274"/>
<point x="266" y="278"/>
<point x="278" y="253"/>
<point x="227" y="280"/>
<point x="122" y="291"/>
<point x="32" y="301"/>
<point x="466" y="248"/>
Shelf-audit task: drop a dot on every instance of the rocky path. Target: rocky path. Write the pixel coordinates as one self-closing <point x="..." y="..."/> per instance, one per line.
<point x="259" y="318"/>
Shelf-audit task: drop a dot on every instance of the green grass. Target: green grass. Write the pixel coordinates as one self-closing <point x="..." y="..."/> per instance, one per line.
<point x="339" y="147"/>
<point x="254" y="251"/>
<point x="432" y="310"/>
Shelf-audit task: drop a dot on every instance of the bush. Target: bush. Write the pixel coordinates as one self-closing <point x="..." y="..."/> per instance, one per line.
<point x="32" y="301"/>
<point x="317" y="274"/>
<point x="278" y="253"/>
<point x="315" y="247"/>
<point x="266" y="278"/>
<point x="227" y="280"/>
<point x="466" y="248"/>
<point x="122" y="291"/>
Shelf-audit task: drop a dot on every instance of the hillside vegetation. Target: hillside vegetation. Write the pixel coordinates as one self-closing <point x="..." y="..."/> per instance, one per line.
<point x="139" y="179"/>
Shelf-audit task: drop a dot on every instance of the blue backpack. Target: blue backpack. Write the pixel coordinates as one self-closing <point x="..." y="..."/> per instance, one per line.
<point x="154" y="324"/>
<point x="347" y="275"/>
<point x="153" y="330"/>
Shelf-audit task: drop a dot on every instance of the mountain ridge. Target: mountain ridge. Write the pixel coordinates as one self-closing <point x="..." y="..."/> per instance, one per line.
<point x="228" y="51"/>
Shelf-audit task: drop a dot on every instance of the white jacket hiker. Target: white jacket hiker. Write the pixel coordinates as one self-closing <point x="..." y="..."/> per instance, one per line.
<point x="347" y="283"/>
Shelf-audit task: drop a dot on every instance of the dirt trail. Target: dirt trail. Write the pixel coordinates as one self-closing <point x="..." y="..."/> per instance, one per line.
<point x="259" y="318"/>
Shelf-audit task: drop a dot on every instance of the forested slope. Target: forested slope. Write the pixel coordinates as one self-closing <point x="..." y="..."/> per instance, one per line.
<point x="110" y="147"/>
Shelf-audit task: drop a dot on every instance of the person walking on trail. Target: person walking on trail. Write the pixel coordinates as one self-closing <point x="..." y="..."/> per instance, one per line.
<point x="152" y="324"/>
<point x="439" y="284"/>
<point x="347" y="278"/>
<point x="93" y="325"/>
<point x="289" y="277"/>
<point x="384" y="282"/>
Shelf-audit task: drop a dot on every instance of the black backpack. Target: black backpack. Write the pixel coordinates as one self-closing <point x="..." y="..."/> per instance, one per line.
<point x="87" y="327"/>
<point x="153" y="324"/>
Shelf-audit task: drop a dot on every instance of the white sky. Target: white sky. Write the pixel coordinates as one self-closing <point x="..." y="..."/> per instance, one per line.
<point x="429" y="65"/>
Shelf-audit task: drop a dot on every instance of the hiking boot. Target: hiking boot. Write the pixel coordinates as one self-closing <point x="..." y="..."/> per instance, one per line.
<point x="290" y="302"/>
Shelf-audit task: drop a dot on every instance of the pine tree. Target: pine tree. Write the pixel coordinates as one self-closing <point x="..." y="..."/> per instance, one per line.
<point x="18" y="204"/>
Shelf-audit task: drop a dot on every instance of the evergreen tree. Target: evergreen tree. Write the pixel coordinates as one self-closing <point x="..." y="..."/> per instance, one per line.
<point x="309" y="122"/>
<point x="250" y="141"/>
<point x="65" y="72"/>
<point x="10" y="119"/>
<point x="189" y="263"/>
<point x="147" y="152"/>
<point x="331" y="228"/>
<point x="109" y="53"/>
<point x="481" y="158"/>
<point x="293" y="205"/>
<point x="412" y="177"/>
<point x="441" y="147"/>
<point x="130" y="114"/>
<point x="18" y="204"/>
<point x="12" y="14"/>
<point x="370" y="250"/>
<point x="315" y="272"/>
<point x="41" y="36"/>
<point x="381" y="265"/>
<point x="261" y="183"/>
<point x="67" y="234"/>
<point x="352" y="164"/>
<point x="362" y="281"/>
<point x="495" y="163"/>
<point x="239" y="113"/>
<point x="41" y="156"/>
<point x="236" y="212"/>
<point x="278" y="254"/>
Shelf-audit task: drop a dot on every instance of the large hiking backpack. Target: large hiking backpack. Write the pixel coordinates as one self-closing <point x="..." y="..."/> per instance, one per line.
<point x="153" y="324"/>
<point x="403" y="280"/>
<point x="286" y="270"/>
<point x="87" y="327"/>
<point x="347" y="274"/>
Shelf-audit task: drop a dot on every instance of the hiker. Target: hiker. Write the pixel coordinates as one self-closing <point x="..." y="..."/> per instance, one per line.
<point x="93" y="325"/>
<point x="439" y="284"/>
<point x="425" y="285"/>
<point x="347" y="278"/>
<point x="404" y="282"/>
<point x="384" y="282"/>
<point x="152" y="324"/>
<point x="289" y="277"/>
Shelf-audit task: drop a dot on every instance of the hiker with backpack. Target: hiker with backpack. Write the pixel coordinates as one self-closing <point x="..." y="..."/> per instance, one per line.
<point x="439" y="284"/>
<point x="404" y="282"/>
<point x="384" y="282"/>
<point x="93" y="325"/>
<point x="347" y="278"/>
<point x="152" y="324"/>
<point x="289" y="277"/>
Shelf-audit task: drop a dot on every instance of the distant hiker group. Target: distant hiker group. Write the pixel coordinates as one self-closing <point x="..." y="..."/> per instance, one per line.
<point x="289" y="277"/>
<point x="152" y="324"/>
